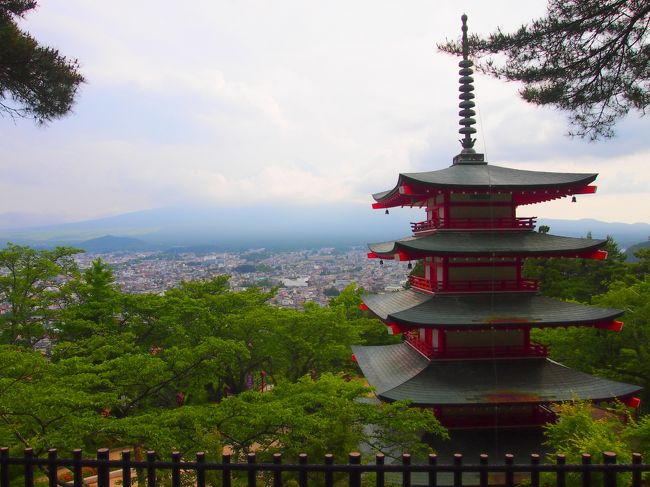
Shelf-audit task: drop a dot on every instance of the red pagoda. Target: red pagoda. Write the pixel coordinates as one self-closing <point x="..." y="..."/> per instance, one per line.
<point x="466" y="322"/>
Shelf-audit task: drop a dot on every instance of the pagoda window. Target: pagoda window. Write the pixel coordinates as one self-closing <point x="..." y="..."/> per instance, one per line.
<point x="471" y="273"/>
<point x="488" y="338"/>
<point x="457" y="212"/>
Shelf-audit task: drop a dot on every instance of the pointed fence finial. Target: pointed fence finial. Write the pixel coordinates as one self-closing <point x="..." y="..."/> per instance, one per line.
<point x="468" y="155"/>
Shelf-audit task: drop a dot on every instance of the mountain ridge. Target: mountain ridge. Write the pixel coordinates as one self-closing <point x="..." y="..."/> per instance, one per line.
<point x="271" y="226"/>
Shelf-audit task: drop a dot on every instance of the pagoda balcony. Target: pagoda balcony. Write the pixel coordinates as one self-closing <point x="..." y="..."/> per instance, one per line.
<point x="426" y="285"/>
<point x="519" y="223"/>
<point x="424" y="348"/>
<point x="508" y="352"/>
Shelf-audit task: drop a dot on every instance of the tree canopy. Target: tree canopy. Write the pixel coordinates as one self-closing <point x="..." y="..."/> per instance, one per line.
<point x="590" y="58"/>
<point x="35" y="81"/>
<point x="194" y="369"/>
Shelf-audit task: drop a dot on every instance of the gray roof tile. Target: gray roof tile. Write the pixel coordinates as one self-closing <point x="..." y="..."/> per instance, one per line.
<point x="506" y="381"/>
<point x="488" y="243"/>
<point x="481" y="310"/>
<point x="490" y="177"/>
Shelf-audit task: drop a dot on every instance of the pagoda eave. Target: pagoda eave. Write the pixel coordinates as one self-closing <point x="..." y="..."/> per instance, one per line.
<point x="413" y="309"/>
<point x="398" y="372"/>
<point x="404" y="255"/>
<point x="487" y="244"/>
<point x="527" y="187"/>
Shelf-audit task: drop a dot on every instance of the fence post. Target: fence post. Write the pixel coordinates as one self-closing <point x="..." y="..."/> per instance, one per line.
<point x="4" y="467"/>
<point x="329" y="475"/>
<point x="458" y="474"/>
<point x="637" y="459"/>
<point x="609" y="475"/>
<point x="29" y="467"/>
<point x="151" y="468"/>
<point x="102" y="468"/>
<point x="176" y="469"/>
<point x="76" y="467"/>
<point x="406" y="473"/>
<point x="302" y="475"/>
<point x="226" y="479"/>
<point x="560" y="461"/>
<point x="52" y="468"/>
<point x="252" y="474"/>
<point x="534" y="473"/>
<point x="126" y="468"/>
<point x="200" y="469"/>
<point x="354" y="458"/>
<point x="433" y="474"/>
<point x="380" y="478"/>
<point x="586" y="474"/>
<point x="277" y="474"/>
<point x="483" y="473"/>
<point x="509" y="461"/>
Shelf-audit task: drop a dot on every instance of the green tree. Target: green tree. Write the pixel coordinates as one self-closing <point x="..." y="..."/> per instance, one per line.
<point x="39" y="82"/>
<point x="578" y="430"/>
<point x="371" y="331"/>
<point x="327" y="415"/>
<point x="35" y="285"/>
<point x="623" y="355"/>
<point x="45" y="405"/>
<point x="577" y="279"/>
<point x="94" y="304"/>
<point x="590" y="58"/>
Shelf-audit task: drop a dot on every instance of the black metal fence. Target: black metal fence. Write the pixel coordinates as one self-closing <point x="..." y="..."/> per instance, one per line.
<point x="150" y="471"/>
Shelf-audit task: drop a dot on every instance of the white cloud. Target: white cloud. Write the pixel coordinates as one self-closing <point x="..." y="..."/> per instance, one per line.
<point x="222" y="101"/>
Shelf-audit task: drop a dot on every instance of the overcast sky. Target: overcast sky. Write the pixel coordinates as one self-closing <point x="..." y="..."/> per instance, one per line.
<point x="302" y="102"/>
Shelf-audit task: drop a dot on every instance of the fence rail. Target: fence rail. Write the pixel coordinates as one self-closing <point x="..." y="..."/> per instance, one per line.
<point x="154" y="471"/>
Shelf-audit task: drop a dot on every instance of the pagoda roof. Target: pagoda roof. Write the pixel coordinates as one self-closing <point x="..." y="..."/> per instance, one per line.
<point x="399" y="372"/>
<point x="486" y="243"/>
<point x="471" y="311"/>
<point x="487" y="177"/>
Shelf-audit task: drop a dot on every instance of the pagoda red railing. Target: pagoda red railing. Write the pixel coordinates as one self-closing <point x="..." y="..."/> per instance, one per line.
<point x="519" y="223"/>
<point x="532" y="350"/>
<point x="522" y="285"/>
<point x="422" y="347"/>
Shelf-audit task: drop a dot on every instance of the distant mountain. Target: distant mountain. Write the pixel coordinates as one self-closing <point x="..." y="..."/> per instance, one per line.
<point x="298" y="226"/>
<point x="630" y="251"/>
<point x="625" y="234"/>
<point x="110" y="243"/>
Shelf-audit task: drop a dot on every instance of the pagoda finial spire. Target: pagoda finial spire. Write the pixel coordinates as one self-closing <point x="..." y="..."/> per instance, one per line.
<point x="468" y="155"/>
